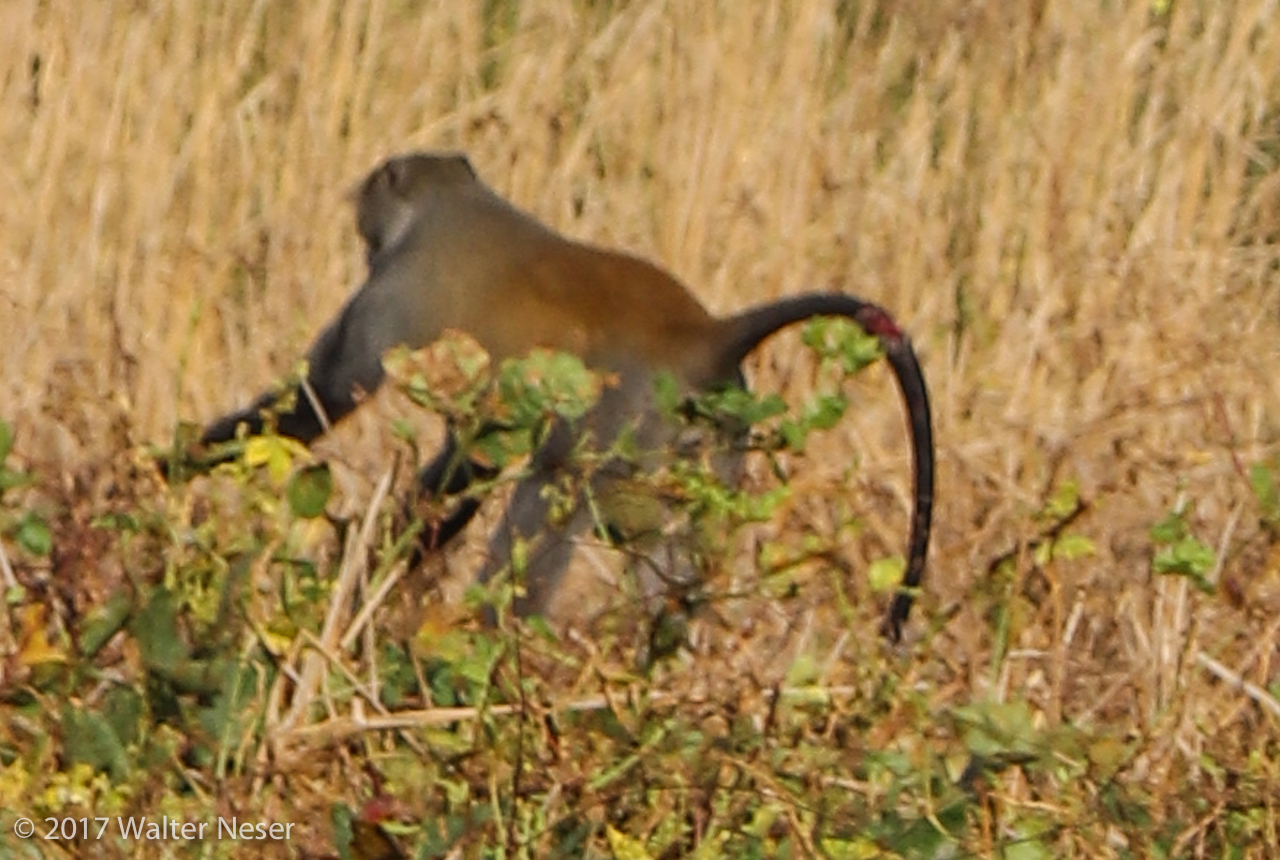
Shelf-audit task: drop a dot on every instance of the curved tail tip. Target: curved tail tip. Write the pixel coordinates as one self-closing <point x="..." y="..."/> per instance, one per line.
<point x="896" y="617"/>
<point x="877" y="321"/>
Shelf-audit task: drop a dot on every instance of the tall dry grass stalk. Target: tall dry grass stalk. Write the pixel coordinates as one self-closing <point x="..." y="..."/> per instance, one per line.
<point x="1073" y="206"/>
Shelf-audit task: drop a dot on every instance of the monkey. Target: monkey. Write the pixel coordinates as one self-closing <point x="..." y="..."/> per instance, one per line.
<point x="445" y="251"/>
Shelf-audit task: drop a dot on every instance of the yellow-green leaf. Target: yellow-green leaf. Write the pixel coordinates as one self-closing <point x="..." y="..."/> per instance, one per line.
<point x="885" y="574"/>
<point x="625" y="847"/>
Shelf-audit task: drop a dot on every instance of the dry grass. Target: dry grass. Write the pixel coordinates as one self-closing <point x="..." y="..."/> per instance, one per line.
<point x="1074" y="207"/>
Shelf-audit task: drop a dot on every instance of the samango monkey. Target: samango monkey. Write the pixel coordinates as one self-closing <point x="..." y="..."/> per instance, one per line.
<point x="445" y="251"/>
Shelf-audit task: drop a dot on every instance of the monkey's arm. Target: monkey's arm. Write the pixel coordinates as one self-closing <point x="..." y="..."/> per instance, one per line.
<point x="346" y="358"/>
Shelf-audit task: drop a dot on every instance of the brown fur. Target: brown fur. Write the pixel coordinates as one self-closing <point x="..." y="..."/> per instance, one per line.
<point x="445" y="251"/>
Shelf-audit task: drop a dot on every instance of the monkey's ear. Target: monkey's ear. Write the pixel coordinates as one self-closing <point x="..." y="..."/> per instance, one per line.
<point x="465" y="164"/>
<point x="396" y="174"/>
<point x="381" y="177"/>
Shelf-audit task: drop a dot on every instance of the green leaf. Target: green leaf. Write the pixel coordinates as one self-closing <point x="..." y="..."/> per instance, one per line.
<point x="124" y="709"/>
<point x="885" y="574"/>
<point x="625" y="847"/>
<point x="1071" y="547"/>
<point x="1263" y="480"/>
<point x="794" y="434"/>
<point x="1063" y="503"/>
<point x="547" y="383"/>
<point x="1000" y="730"/>
<point x="276" y="453"/>
<point x="309" y="490"/>
<point x="1170" y="529"/>
<point x="1182" y="553"/>
<point x="89" y="738"/>
<point x="156" y="629"/>
<point x="341" y="817"/>
<point x="501" y="448"/>
<point x="104" y="622"/>
<point x="666" y="393"/>
<point x="1026" y="849"/>
<point x="825" y="412"/>
<point x="33" y="535"/>
<point x="1188" y="557"/>
<point x="9" y="479"/>
<point x="1042" y="553"/>
<point x="711" y="847"/>
<point x="734" y="405"/>
<point x="858" y="848"/>
<point x="844" y="341"/>
<point x="1108" y="754"/>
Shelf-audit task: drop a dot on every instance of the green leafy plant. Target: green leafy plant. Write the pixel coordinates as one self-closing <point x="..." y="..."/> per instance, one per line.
<point x="1266" y="490"/>
<point x="1180" y="553"/>
<point x="28" y="529"/>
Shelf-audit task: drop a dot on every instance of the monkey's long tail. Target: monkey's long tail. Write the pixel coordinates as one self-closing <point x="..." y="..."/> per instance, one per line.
<point x="751" y="327"/>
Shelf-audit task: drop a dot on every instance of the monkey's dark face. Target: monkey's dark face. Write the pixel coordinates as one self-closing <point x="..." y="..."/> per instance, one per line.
<point x="382" y="212"/>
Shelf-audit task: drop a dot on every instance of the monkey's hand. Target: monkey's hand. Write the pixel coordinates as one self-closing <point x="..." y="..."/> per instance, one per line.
<point x="188" y="456"/>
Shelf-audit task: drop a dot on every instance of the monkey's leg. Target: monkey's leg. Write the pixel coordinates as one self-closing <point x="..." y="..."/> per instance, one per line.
<point x="623" y="503"/>
<point x="450" y="473"/>
<point x="545" y="547"/>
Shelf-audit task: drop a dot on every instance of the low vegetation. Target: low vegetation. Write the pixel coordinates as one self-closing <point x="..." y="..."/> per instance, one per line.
<point x="1072" y="207"/>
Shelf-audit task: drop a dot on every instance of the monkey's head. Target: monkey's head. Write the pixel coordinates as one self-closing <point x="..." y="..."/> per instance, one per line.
<point x="389" y="198"/>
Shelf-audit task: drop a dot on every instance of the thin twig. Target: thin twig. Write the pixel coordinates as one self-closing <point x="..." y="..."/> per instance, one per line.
<point x="335" y="729"/>
<point x="1264" y="699"/>
<point x="353" y="564"/>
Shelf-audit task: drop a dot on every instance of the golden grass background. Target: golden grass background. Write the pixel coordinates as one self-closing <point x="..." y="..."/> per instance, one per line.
<point x="1073" y="207"/>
